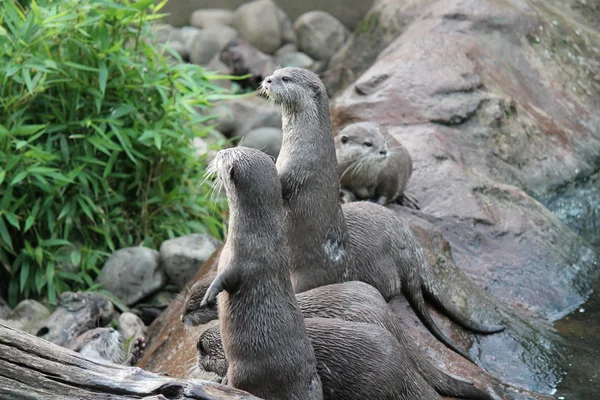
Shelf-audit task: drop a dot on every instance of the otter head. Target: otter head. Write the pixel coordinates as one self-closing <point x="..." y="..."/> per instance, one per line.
<point x="362" y="145"/>
<point x="211" y="356"/>
<point x="193" y="314"/>
<point x="296" y="89"/>
<point x="250" y="180"/>
<point x="100" y="344"/>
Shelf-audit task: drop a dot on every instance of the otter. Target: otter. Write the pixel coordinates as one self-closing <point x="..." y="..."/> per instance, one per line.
<point x="351" y="301"/>
<point x="372" y="164"/>
<point x="264" y="337"/>
<point x="334" y="243"/>
<point x="106" y="344"/>
<point x="354" y="361"/>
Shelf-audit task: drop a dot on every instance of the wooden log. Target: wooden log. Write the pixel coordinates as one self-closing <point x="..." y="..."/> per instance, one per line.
<point x="35" y="369"/>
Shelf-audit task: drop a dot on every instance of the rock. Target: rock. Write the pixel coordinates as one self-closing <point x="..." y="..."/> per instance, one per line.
<point x="242" y="58"/>
<point x="164" y="33"/>
<point x="210" y="144"/>
<point x="206" y="17"/>
<point x="209" y="42"/>
<point x="75" y="314"/>
<point x="217" y="66"/>
<point x="490" y="126"/>
<point x="132" y="274"/>
<point x="131" y="326"/>
<point x="265" y="139"/>
<point x="288" y="35"/>
<point x="286" y="49"/>
<point x="319" y="34"/>
<point x="258" y="23"/>
<point x="28" y="316"/>
<point x="238" y="117"/>
<point x="180" y="49"/>
<point x="299" y="60"/>
<point x="349" y="12"/>
<point x="4" y="308"/>
<point x="182" y="257"/>
<point x="187" y="34"/>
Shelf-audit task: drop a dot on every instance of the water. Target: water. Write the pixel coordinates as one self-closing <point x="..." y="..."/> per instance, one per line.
<point x="581" y="331"/>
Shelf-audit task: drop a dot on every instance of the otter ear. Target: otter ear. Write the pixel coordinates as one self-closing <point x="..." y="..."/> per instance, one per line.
<point x="344" y="139"/>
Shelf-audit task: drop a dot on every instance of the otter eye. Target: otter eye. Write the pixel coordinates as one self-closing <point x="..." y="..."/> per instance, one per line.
<point x="272" y="158"/>
<point x="367" y="144"/>
<point x="344" y="139"/>
<point x="286" y="79"/>
<point x="96" y="336"/>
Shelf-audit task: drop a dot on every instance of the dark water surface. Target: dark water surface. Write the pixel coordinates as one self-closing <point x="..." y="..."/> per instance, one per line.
<point x="581" y="331"/>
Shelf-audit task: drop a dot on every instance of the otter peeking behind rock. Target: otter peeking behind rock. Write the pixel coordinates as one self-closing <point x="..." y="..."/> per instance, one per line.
<point x="351" y="301"/>
<point x="264" y="336"/>
<point x="372" y="164"/>
<point x="106" y="344"/>
<point x="333" y="243"/>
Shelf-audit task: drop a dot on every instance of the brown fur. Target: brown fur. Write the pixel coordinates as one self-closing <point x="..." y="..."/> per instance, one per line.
<point x="365" y="241"/>
<point x="354" y="302"/>
<point x="264" y="336"/>
<point x="371" y="163"/>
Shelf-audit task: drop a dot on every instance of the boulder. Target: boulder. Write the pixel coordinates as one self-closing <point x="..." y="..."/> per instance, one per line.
<point x="258" y="23"/>
<point x="319" y="34"/>
<point x="210" y="144"/>
<point x="132" y="274"/>
<point x="183" y="256"/>
<point x="4" y="308"/>
<point x="28" y="316"/>
<point x="238" y="117"/>
<point x="187" y="35"/>
<point x="219" y="67"/>
<point x="265" y="139"/>
<point x="209" y="42"/>
<point x="164" y="33"/>
<point x="212" y="16"/>
<point x="131" y="326"/>
<point x="288" y="35"/>
<point x="242" y="58"/>
<point x="286" y="49"/>
<point x="297" y="59"/>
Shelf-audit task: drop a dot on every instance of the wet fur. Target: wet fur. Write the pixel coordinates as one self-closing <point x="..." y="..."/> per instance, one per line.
<point x="105" y="344"/>
<point x="351" y="301"/>
<point x="357" y="241"/>
<point x="264" y="337"/>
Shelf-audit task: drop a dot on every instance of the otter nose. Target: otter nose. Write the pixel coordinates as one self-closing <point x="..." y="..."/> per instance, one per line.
<point x="181" y="318"/>
<point x="383" y="152"/>
<point x="268" y="79"/>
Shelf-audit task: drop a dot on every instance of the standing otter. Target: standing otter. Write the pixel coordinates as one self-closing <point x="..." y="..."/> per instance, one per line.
<point x="264" y="336"/>
<point x="355" y="361"/>
<point x="106" y="344"/>
<point x="351" y="301"/>
<point x="371" y="163"/>
<point x="365" y="241"/>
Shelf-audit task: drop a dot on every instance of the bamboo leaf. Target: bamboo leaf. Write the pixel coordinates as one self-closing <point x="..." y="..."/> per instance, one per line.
<point x="103" y="76"/>
<point x="5" y="235"/>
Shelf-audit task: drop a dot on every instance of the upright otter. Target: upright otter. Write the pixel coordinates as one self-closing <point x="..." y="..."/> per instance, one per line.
<point x="106" y="344"/>
<point x="371" y="163"/>
<point x="365" y="241"/>
<point x="350" y="301"/>
<point x="264" y="336"/>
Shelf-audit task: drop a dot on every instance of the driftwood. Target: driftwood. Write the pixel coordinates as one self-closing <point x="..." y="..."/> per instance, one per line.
<point x="33" y="368"/>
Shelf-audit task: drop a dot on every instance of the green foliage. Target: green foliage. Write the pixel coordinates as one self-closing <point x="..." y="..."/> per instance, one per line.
<point x="95" y="141"/>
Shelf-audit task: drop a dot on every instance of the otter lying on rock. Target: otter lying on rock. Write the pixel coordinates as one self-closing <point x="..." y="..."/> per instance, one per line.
<point x="361" y="241"/>
<point x="106" y="344"/>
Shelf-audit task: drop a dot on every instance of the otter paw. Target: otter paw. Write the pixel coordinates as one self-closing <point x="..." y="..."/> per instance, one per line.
<point x="137" y="351"/>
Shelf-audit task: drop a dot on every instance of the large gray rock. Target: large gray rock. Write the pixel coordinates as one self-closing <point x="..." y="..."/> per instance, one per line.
<point x="187" y="34"/>
<point x="297" y="59"/>
<point x="28" y="316"/>
<point x="164" y="33"/>
<point x="238" y="117"/>
<point x="205" y="17"/>
<point x="132" y="274"/>
<point x="258" y="23"/>
<point x="181" y="257"/>
<point x="286" y="49"/>
<point x="242" y="58"/>
<point x="131" y="326"/>
<point x="288" y="35"/>
<point x="265" y="139"/>
<point x="349" y="12"/>
<point x="4" y="308"/>
<point x="319" y="34"/>
<point x="209" y="42"/>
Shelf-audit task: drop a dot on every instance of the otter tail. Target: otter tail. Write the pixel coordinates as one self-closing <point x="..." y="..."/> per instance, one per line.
<point x="449" y="309"/>
<point x="414" y="295"/>
<point x="443" y="383"/>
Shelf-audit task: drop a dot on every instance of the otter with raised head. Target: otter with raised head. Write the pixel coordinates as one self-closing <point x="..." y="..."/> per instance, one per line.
<point x="106" y="344"/>
<point x="365" y="241"/>
<point x="372" y="164"/>
<point x="264" y="337"/>
<point x="351" y="301"/>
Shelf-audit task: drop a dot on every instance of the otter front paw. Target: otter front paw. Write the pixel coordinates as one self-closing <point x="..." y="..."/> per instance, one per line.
<point x="137" y="351"/>
<point x="210" y="299"/>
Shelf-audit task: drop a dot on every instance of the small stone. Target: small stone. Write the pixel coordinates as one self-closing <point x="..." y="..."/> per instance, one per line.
<point x="286" y="48"/>
<point x="211" y="16"/>
<point x="265" y="139"/>
<point x="319" y="34"/>
<point x="209" y="42"/>
<point x="298" y="60"/>
<point x="28" y="316"/>
<point x="182" y="257"/>
<point x="131" y="326"/>
<point x="258" y="23"/>
<point x="133" y="273"/>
